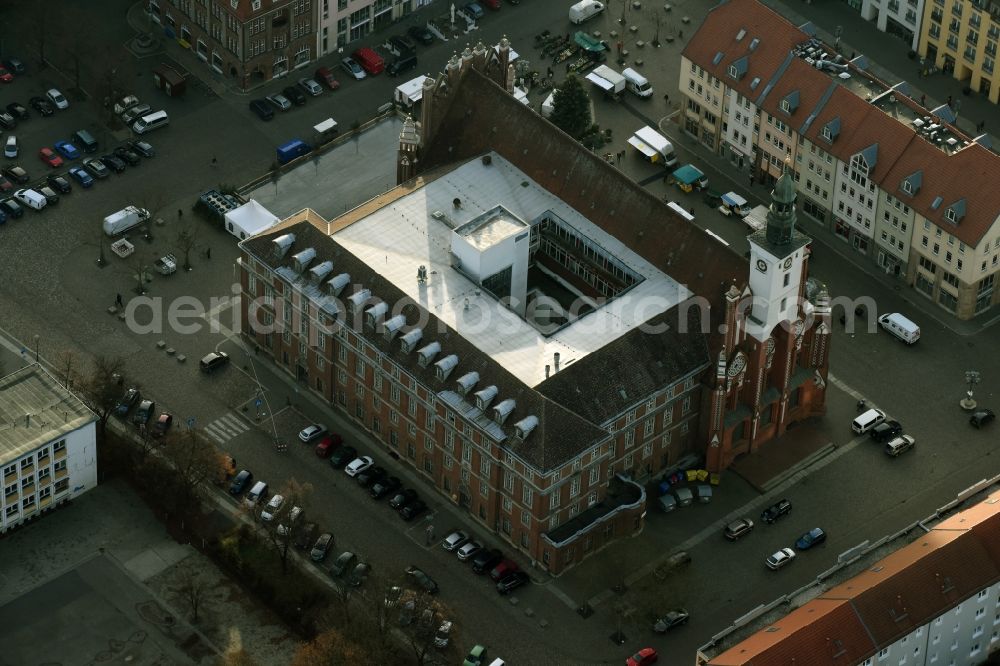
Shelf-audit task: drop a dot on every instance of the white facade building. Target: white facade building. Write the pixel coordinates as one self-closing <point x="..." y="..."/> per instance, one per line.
<point x="898" y="17"/>
<point x="48" y="445"/>
<point x="854" y="199"/>
<point x="740" y="129"/>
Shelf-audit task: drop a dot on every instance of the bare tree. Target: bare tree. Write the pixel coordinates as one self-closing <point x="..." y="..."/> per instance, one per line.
<point x="427" y="615"/>
<point x="193" y="589"/>
<point x="102" y="388"/>
<point x="331" y="648"/>
<point x="284" y="527"/>
<point x="65" y="364"/>
<point x="195" y="461"/>
<point x="39" y="28"/>
<point x="187" y="239"/>
<point x="139" y="266"/>
<point x="237" y="656"/>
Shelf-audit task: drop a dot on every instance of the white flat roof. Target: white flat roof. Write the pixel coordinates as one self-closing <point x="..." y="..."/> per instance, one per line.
<point x="398" y="239"/>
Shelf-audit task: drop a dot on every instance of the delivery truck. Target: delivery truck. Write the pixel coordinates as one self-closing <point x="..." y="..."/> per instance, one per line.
<point x="125" y="219"/>
<point x="607" y="79"/>
<point x="292" y="150"/>
<point x="654" y="146"/>
<point x="636" y="83"/>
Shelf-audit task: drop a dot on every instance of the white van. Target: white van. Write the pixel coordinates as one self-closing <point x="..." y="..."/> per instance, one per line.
<point x="124" y="219"/>
<point x="31" y="199"/>
<point x="636" y="83"/>
<point x="150" y="122"/>
<point x="900" y="326"/>
<point x="867" y="421"/>
<point x="255" y="494"/>
<point x="584" y="10"/>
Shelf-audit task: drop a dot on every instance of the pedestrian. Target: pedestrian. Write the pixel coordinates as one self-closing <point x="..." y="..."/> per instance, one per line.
<point x="208" y="253"/>
<point x="949" y="101"/>
<point x="751" y="180"/>
<point x="666" y="99"/>
<point x="550" y="72"/>
<point x="923" y="99"/>
<point x="119" y="301"/>
<point x="180" y="213"/>
<point x="681" y="33"/>
<point x="620" y="156"/>
<point x="215" y="162"/>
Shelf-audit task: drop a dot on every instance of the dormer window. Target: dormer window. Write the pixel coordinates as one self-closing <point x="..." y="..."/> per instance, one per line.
<point x="827" y="135"/>
<point x="907" y="187"/>
<point x="733" y="72"/>
<point x="785" y="106"/>
<point x="950" y="215"/>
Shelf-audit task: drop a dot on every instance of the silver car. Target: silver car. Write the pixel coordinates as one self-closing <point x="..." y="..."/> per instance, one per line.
<point x="322" y="547"/>
<point x="780" y="559"/>
<point x="353" y="68"/>
<point x="280" y="101"/>
<point x="454" y="540"/>
<point x="310" y="86"/>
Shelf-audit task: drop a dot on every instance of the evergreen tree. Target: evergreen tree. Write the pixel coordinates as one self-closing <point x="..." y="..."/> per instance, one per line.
<point x="571" y="108"/>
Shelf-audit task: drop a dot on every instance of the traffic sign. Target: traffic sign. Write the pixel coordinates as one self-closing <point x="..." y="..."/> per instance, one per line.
<point x="190" y="422"/>
<point x="258" y="402"/>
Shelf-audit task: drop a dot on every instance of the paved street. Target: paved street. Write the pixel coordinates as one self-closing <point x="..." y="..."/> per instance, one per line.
<point x="52" y="288"/>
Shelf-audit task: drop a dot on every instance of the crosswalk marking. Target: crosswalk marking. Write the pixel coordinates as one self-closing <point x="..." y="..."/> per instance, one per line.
<point x="226" y="428"/>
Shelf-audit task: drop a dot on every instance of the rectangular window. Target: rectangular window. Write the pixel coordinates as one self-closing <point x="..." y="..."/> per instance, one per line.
<point x="595" y="475"/>
<point x="526" y="495"/>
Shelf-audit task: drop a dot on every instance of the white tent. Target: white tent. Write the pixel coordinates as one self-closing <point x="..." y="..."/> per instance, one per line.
<point x="250" y="219"/>
<point x="548" y="105"/>
<point x="410" y="92"/>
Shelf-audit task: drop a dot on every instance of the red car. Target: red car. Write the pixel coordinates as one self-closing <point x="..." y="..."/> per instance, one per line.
<point x="325" y="76"/>
<point x="5" y="76"/>
<point x="327" y="446"/>
<point x="643" y="657"/>
<point x="49" y="156"/>
<point x="162" y="424"/>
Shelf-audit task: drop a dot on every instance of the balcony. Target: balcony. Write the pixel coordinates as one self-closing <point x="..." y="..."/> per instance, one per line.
<point x="44" y="502"/>
<point x="61" y="474"/>
<point x="60" y="454"/>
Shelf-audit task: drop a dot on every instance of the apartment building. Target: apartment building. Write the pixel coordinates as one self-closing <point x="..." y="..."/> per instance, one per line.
<point x="932" y="602"/>
<point x="248" y="41"/>
<point x="499" y="325"/>
<point x="48" y="446"/>
<point x="896" y="17"/>
<point x="344" y="21"/>
<point x="960" y="37"/>
<point x="871" y="164"/>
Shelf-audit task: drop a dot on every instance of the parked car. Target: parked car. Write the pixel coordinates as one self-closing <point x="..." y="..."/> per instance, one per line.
<point x="310" y="86"/>
<point x="293" y="517"/>
<point x="17" y="174"/>
<point x="212" y="361"/>
<point x="342" y="456"/>
<point x="144" y="413"/>
<point x="643" y="657"/>
<point x="780" y="559"/>
<point x="57" y="98"/>
<point x="325" y="76"/>
<point x="328" y="445"/>
<point x="776" y="511"/>
<point x="67" y="150"/>
<point x="369" y="476"/>
<point x="10" y="149"/>
<point x="402" y="45"/>
<point x="813" y="537"/>
<point x="6" y="185"/>
<point x="7" y="121"/>
<point x="412" y="509"/>
<point x="885" y="431"/>
<point x="421" y="34"/>
<point x="343" y="562"/>
<point x="18" y="110"/>
<point x="81" y="176"/>
<point x="359" y="465"/>
<point x="485" y="560"/>
<point x="272" y="508"/>
<point x="503" y="568"/>
<point x="262" y="108"/>
<point x="422" y="579"/>
<point x="359" y="574"/>
<point x="307" y="536"/>
<point x="133" y="113"/>
<point x="31" y="198"/>
<point x="672" y="618"/>
<point x="468" y="549"/>
<point x="738" y="528"/>
<point x="280" y="102"/>
<point x="240" y="482"/>
<point x="59" y="183"/>
<point x="11" y="208"/>
<point x="14" y="65"/>
<point x="474" y="10"/>
<point x="384" y="486"/>
<point x="114" y="163"/>
<point x="454" y="540"/>
<point x="162" y="424"/>
<point x="981" y="417"/>
<point x="128" y="155"/>
<point x="5" y="76"/>
<point x="322" y="547"/>
<point x="402" y="498"/>
<point x="295" y="95"/>
<point x="353" y="68"/>
<point x="899" y="445"/>
<point x="127" y="401"/>
<point x="50" y="195"/>
<point x="50" y="157"/>
<point x="312" y="432"/>
<point x="144" y="148"/>
<point x="96" y="168"/>
<point x="476" y="656"/>
<point x="512" y="581"/>
<point x="42" y="106"/>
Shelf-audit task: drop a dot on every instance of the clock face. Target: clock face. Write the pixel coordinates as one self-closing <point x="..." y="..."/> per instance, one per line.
<point x="762" y="265"/>
<point x="736" y="367"/>
<point x="769" y="346"/>
<point x="788" y="263"/>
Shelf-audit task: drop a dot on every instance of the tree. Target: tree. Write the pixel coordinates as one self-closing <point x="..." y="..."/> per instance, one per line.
<point x="140" y="271"/>
<point x="195" y="461"/>
<point x="283" y="528"/>
<point x="187" y="238"/>
<point x="65" y="364"/>
<point x="236" y="656"/>
<point x="571" y="108"/>
<point x="39" y="29"/>
<point x="331" y="648"/>
<point x="425" y="615"/>
<point x="102" y="389"/>
<point x="193" y="589"/>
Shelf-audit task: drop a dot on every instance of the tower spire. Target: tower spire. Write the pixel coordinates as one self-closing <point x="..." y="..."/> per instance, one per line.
<point x="781" y="214"/>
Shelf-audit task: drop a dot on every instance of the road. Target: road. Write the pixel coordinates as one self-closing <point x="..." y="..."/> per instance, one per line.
<point x="53" y="289"/>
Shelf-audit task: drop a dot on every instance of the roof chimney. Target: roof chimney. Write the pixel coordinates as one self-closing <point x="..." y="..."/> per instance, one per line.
<point x="546" y="370"/>
<point x="555" y="362"/>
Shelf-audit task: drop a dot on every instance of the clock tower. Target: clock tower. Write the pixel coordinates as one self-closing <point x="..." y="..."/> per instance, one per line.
<point x="777" y="259"/>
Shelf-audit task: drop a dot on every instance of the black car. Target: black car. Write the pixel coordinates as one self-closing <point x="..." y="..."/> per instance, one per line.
<point x="11" y="208"/>
<point x="241" y="482"/>
<point x="213" y="361"/>
<point x="293" y="93"/>
<point x="59" y="183"/>
<point x="775" y="511"/>
<point x="370" y="476"/>
<point x="486" y="560"/>
<point x="49" y="194"/>
<point x="981" y="417"/>
<point x="114" y="163"/>
<point x="17" y="174"/>
<point x="17" y="110"/>
<point x="677" y="617"/>
<point x="885" y="431"/>
<point x="41" y="105"/>
<point x="7" y="121"/>
<point x="96" y="168"/>
<point x="402" y="45"/>
<point x="384" y="486"/>
<point x="401" y="499"/>
<point x="128" y="401"/>
<point x="144" y="148"/>
<point x="127" y="155"/>
<point x="421" y="34"/>
<point x="512" y="581"/>
<point x="422" y="579"/>
<point x="342" y="456"/>
<point x="262" y="108"/>
<point x="412" y="510"/>
<point x="14" y="64"/>
<point x="403" y="63"/>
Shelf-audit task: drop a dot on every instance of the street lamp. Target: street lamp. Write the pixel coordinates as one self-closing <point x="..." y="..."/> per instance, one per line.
<point x="972" y="378"/>
<point x="36" y="348"/>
